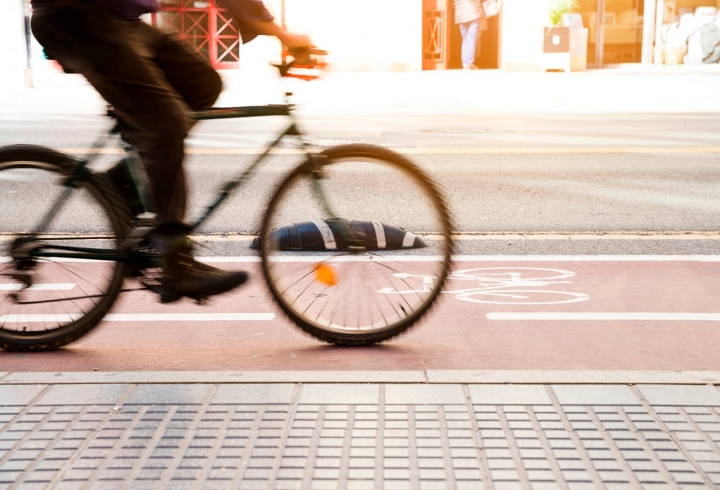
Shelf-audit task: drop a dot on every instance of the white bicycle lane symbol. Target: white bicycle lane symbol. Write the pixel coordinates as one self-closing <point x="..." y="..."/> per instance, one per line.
<point x="499" y="285"/>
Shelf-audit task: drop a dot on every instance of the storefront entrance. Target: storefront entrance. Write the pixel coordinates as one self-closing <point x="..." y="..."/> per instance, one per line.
<point x="206" y="28"/>
<point x="442" y="39"/>
<point x="615" y="30"/>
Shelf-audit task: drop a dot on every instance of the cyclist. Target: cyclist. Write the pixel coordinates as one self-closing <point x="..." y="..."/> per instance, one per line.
<point x="153" y="81"/>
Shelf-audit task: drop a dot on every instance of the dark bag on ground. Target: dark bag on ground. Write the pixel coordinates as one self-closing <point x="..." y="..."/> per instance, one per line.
<point x="326" y="235"/>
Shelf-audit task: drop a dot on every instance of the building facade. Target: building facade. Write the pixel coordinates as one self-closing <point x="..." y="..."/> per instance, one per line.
<point x="390" y="35"/>
<point x="401" y="35"/>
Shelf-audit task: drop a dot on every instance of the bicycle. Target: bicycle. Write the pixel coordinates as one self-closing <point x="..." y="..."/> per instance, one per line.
<point x="65" y="261"/>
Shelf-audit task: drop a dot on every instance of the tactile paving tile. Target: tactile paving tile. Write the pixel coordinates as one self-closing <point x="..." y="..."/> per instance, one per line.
<point x="364" y="437"/>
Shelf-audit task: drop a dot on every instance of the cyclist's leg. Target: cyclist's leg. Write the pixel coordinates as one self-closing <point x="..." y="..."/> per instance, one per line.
<point x="188" y="72"/>
<point x="118" y="58"/>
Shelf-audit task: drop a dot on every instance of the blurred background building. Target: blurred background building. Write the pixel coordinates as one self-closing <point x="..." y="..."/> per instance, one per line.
<point x="409" y="35"/>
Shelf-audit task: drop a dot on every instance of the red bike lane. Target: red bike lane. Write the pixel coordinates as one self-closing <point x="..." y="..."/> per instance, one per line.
<point x="497" y="313"/>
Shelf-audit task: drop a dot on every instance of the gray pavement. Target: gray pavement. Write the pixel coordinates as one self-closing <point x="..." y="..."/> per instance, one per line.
<point x="314" y="431"/>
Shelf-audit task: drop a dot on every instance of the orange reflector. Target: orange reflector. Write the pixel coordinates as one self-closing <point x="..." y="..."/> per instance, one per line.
<point x="326" y="274"/>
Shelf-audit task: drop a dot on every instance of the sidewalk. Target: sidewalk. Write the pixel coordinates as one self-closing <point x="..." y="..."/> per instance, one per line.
<point x="626" y="90"/>
<point x="360" y="430"/>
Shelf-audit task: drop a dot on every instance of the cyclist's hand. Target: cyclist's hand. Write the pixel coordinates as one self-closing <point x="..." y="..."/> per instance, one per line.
<point x="299" y="42"/>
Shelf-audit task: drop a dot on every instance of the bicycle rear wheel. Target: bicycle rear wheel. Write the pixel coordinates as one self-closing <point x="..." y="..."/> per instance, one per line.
<point x="66" y="297"/>
<point x="372" y="269"/>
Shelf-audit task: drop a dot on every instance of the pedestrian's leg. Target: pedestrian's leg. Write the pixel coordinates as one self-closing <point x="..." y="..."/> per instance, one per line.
<point x="464" y="33"/>
<point x="469" y="44"/>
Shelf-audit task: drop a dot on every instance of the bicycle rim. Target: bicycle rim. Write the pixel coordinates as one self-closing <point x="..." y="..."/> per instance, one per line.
<point x="352" y="297"/>
<point x="66" y="297"/>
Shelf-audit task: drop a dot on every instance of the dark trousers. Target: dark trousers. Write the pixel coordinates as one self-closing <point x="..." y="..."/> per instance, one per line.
<point x="151" y="78"/>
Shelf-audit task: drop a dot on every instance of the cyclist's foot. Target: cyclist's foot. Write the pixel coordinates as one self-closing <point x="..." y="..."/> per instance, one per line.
<point x="182" y="275"/>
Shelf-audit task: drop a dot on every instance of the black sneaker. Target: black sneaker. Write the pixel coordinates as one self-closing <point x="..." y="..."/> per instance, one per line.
<point x="182" y="275"/>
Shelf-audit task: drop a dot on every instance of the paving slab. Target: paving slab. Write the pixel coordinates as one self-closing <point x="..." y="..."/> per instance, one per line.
<point x="595" y="395"/>
<point x="509" y="395"/>
<point x="352" y="435"/>
<point x="166" y="377"/>
<point x="424" y="394"/>
<point x="340" y="394"/>
<point x="252" y="394"/>
<point x="19" y="395"/>
<point x="168" y="394"/>
<point x="573" y="377"/>
<point x="707" y="396"/>
<point x="97" y="394"/>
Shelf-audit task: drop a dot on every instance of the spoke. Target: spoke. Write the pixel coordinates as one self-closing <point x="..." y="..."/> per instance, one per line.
<point x="357" y="307"/>
<point x="374" y="300"/>
<point x="62" y="304"/>
<point x="317" y="297"/>
<point x="387" y="298"/>
<point x="2" y="303"/>
<point x="410" y="288"/>
<point x="304" y="290"/>
<point x="312" y="268"/>
<point x="339" y="296"/>
<point x="80" y="297"/>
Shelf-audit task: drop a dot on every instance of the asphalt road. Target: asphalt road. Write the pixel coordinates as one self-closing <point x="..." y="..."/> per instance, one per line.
<point x="563" y="174"/>
<point x="555" y="185"/>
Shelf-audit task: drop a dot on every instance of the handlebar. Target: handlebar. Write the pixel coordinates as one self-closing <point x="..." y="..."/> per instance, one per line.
<point x="304" y="59"/>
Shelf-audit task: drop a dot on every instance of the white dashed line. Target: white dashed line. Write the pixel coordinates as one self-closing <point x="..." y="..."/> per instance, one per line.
<point x="587" y="316"/>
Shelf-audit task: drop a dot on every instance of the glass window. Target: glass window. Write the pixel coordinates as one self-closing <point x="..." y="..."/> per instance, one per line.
<point x="622" y="29"/>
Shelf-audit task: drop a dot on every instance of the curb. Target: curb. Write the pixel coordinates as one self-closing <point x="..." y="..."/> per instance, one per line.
<point x="385" y="377"/>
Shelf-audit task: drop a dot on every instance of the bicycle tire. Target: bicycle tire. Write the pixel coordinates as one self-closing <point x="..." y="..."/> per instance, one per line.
<point x="111" y="204"/>
<point x="424" y="185"/>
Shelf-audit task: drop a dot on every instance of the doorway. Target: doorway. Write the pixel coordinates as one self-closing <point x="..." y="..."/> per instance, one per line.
<point x="487" y="54"/>
<point x="442" y="40"/>
<point x="615" y="30"/>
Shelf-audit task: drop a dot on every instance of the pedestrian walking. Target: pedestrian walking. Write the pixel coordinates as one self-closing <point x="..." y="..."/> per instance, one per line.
<point x="470" y="17"/>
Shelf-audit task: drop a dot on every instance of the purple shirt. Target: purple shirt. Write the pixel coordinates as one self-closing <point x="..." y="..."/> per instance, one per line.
<point x="244" y="11"/>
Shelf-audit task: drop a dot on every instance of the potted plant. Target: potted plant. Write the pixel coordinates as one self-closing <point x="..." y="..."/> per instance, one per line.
<point x="565" y="43"/>
<point x="558" y="8"/>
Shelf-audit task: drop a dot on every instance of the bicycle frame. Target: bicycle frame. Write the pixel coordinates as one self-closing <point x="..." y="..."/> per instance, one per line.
<point x="81" y="169"/>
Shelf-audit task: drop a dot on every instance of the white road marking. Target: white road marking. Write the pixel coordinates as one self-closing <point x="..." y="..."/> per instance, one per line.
<point x="327" y="235"/>
<point x="379" y="234"/>
<point x="188" y="317"/>
<point x="144" y="317"/>
<point x="588" y="316"/>
<point x="476" y="258"/>
<point x="38" y="287"/>
<point x="456" y="258"/>
<point x="408" y="240"/>
<point x="586" y="258"/>
<point x="435" y="151"/>
<point x="460" y="236"/>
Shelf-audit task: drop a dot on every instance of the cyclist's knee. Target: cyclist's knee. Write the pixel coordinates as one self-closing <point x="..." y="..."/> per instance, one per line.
<point x="166" y="130"/>
<point x="212" y="87"/>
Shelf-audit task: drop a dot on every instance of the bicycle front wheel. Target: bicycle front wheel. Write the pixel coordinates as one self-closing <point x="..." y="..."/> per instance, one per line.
<point x="356" y="250"/>
<point x="46" y="303"/>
